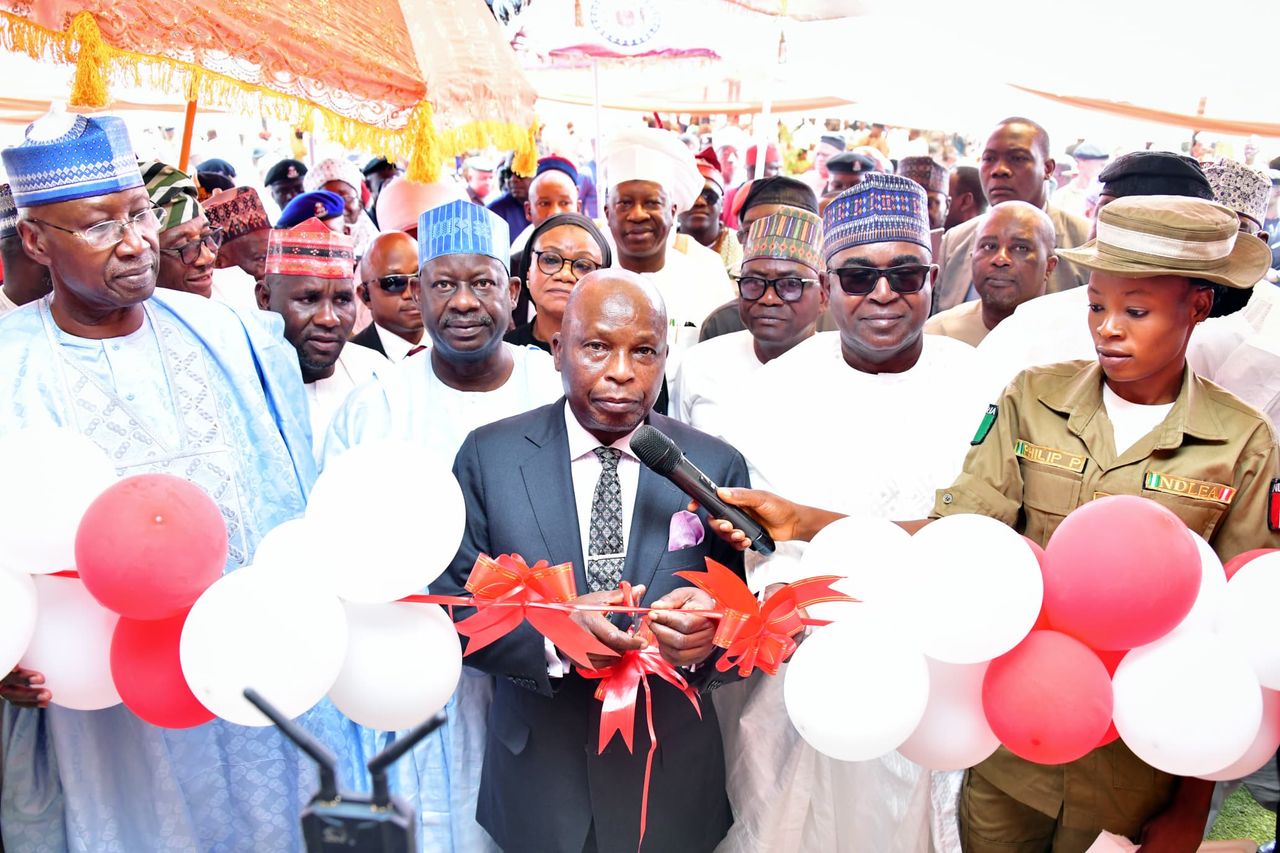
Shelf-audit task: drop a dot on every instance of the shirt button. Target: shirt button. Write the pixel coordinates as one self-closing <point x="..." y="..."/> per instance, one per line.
<point x="115" y="347"/>
<point x="128" y="396"/>
<point x="947" y="498"/>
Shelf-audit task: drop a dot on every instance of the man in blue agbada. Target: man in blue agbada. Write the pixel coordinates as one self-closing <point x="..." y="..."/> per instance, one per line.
<point x="162" y="381"/>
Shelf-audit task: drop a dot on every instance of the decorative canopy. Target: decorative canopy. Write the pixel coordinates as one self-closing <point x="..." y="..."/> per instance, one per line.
<point x="418" y="80"/>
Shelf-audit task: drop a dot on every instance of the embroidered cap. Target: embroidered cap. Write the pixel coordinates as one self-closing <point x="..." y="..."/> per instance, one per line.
<point x="882" y="208"/>
<point x="926" y="172"/>
<point x="1146" y="236"/>
<point x="173" y="191"/>
<point x="333" y="169"/>
<point x="237" y="212"/>
<point x="463" y="228"/>
<point x="65" y="157"/>
<point x="310" y="249"/>
<point x="8" y="213"/>
<point x="1240" y="188"/>
<point x="790" y="234"/>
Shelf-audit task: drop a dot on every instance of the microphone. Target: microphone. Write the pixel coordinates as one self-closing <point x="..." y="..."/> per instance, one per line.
<point x="661" y="455"/>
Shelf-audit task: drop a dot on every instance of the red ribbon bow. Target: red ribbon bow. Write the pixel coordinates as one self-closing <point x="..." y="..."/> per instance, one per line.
<point x="619" y="689"/>
<point x="756" y="635"/>
<point x="507" y="591"/>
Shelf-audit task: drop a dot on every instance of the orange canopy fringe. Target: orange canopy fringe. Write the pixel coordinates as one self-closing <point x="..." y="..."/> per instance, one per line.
<point x="419" y="144"/>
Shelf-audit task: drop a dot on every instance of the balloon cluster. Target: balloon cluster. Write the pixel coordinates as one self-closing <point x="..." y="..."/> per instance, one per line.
<point x="969" y="636"/>
<point x="115" y="592"/>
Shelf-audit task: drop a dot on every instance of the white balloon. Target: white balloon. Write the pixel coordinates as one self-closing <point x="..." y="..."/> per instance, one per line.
<point x="976" y="588"/>
<point x="297" y="547"/>
<point x="869" y="553"/>
<point x="1187" y="704"/>
<point x="403" y="663"/>
<point x="401" y="548"/>
<point x="71" y="645"/>
<point x="1262" y="749"/>
<point x="954" y="733"/>
<point x="856" y="689"/>
<point x="1213" y="589"/>
<point x="1247" y="614"/>
<point x="17" y="616"/>
<point x="61" y="473"/>
<point x="261" y="629"/>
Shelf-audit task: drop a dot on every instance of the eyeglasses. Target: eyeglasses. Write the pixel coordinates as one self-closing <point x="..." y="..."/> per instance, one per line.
<point x="190" y="252"/>
<point x="859" y="281"/>
<point x="789" y="288"/>
<point x="104" y="235"/>
<point x="552" y="262"/>
<point x="395" y="283"/>
<point x="709" y="196"/>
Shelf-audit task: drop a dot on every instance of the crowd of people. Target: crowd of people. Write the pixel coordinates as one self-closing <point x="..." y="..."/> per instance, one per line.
<point x="876" y="338"/>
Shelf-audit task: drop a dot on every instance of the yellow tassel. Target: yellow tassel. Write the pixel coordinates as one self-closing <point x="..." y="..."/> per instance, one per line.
<point x="89" y="86"/>
<point x="424" y="151"/>
<point x="525" y="163"/>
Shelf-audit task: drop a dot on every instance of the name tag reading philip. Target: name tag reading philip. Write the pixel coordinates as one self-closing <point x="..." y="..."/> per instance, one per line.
<point x="1049" y="456"/>
<point x="1198" y="489"/>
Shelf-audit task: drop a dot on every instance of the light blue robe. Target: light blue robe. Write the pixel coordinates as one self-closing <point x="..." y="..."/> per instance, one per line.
<point x="201" y="393"/>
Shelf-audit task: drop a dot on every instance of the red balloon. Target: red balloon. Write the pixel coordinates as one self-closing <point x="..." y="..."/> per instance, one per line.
<point x="1111" y="660"/>
<point x="1237" y="562"/>
<point x="1049" y="699"/>
<point x="1120" y="572"/>
<point x="149" y="545"/>
<point x="148" y="673"/>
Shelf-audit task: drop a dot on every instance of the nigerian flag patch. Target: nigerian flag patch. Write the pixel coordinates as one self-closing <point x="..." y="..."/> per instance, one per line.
<point x="988" y="421"/>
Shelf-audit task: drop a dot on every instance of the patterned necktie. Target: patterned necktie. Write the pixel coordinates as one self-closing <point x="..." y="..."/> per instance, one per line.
<point x="605" y="556"/>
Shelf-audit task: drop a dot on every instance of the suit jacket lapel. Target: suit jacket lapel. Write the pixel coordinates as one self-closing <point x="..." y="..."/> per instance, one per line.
<point x="550" y="489"/>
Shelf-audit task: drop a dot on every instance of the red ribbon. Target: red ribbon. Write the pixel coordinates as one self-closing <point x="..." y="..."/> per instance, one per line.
<point x="619" y="687"/>
<point x="756" y="635"/>
<point x="504" y="592"/>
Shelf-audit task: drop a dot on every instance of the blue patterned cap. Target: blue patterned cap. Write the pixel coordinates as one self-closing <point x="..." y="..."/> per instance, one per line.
<point x="8" y="213"/>
<point x="463" y="228"/>
<point x="882" y="208"/>
<point x="67" y="157"/>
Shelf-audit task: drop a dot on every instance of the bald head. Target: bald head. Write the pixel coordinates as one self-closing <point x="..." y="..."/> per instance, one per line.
<point x="613" y="290"/>
<point x="551" y="193"/>
<point x="390" y="249"/>
<point x="1013" y="257"/>
<point x="611" y="351"/>
<point x="387" y="273"/>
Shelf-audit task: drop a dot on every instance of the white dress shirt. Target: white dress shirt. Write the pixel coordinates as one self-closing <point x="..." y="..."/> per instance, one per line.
<point x="585" y="468"/>
<point x="395" y="346"/>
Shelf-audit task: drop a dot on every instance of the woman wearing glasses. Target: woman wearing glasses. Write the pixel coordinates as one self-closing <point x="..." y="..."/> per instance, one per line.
<point x="188" y="246"/>
<point x="561" y="250"/>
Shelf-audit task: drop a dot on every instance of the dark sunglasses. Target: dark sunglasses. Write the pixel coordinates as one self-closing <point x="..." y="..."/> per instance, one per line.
<point x="189" y="252"/>
<point x="789" y="288"/>
<point x="710" y="196"/>
<point x="394" y="283"/>
<point x="859" y="281"/>
<point x="552" y="262"/>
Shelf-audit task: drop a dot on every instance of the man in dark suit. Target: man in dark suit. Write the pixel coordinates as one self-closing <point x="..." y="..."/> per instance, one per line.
<point x="387" y="273"/>
<point x="557" y="483"/>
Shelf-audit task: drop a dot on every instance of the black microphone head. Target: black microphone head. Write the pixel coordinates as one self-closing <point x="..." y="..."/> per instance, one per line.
<point x="656" y="450"/>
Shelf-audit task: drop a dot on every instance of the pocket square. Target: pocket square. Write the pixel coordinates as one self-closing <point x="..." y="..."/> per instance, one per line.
<point x="686" y="531"/>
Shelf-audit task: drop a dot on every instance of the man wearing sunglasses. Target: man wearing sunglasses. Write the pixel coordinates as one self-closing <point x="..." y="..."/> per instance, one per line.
<point x="388" y="273"/>
<point x="703" y="222"/>
<point x="779" y="302"/>
<point x="188" y="246"/>
<point x="870" y="417"/>
<point x="162" y="382"/>
<point x="470" y="377"/>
